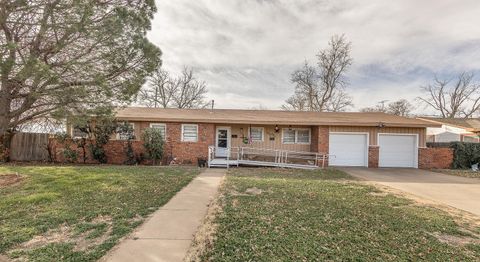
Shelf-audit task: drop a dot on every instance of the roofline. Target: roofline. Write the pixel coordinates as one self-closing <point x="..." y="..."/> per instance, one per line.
<point x="273" y="122"/>
<point x="450" y="124"/>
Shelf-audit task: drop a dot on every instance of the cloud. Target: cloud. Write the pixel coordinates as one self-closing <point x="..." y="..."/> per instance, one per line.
<point x="247" y="49"/>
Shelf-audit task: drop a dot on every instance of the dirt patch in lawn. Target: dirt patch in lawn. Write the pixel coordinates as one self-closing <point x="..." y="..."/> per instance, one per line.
<point x="455" y="240"/>
<point x="9" y="180"/>
<point x="67" y="234"/>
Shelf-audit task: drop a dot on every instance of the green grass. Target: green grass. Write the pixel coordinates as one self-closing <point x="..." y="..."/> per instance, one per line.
<point x="94" y="205"/>
<point x="320" y="215"/>
<point x="460" y="172"/>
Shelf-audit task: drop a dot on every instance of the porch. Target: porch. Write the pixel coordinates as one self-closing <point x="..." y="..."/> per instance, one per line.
<point x="250" y="156"/>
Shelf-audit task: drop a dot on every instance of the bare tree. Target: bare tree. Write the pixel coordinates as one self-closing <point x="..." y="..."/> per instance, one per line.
<point x="322" y="88"/>
<point x="164" y="91"/>
<point x="399" y="108"/>
<point x="160" y="91"/>
<point x="459" y="99"/>
<point x="339" y="102"/>
<point x="377" y="108"/>
<point x="297" y="102"/>
<point x="189" y="92"/>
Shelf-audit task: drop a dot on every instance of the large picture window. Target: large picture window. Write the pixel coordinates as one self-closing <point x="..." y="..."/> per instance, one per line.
<point x="296" y="136"/>
<point x="189" y="133"/>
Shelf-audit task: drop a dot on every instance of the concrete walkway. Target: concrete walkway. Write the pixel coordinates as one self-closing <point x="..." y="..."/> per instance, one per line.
<point x="167" y="234"/>
<point x="459" y="192"/>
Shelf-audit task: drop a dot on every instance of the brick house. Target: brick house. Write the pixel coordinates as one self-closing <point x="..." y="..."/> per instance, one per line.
<point x="348" y="139"/>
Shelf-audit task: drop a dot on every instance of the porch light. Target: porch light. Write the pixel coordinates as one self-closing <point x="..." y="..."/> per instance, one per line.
<point x="276" y="129"/>
<point x="381" y="125"/>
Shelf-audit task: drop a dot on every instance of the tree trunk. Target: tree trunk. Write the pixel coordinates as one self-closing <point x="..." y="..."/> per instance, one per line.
<point x="5" y="128"/>
<point x="4" y="110"/>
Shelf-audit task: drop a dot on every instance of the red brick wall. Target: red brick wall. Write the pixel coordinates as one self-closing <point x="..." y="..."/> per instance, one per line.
<point x="323" y="139"/>
<point x="184" y="152"/>
<point x="433" y="158"/>
<point x="314" y="139"/>
<point x="189" y="152"/>
<point x="319" y="140"/>
<point x="373" y="155"/>
<point x="114" y="149"/>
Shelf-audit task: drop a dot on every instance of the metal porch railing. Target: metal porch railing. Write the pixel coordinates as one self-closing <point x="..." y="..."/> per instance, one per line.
<point x="267" y="157"/>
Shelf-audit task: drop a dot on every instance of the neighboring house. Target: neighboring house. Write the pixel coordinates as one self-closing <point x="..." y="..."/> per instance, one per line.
<point x="351" y="139"/>
<point x="453" y="129"/>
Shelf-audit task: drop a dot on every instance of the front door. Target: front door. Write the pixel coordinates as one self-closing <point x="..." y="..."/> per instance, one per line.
<point x="223" y="141"/>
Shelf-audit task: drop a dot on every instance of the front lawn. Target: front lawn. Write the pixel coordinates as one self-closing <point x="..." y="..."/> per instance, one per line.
<point x="78" y="213"/>
<point x="460" y="172"/>
<point x="293" y="215"/>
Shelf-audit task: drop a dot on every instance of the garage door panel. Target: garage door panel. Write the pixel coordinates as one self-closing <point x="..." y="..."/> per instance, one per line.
<point x="348" y="149"/>
<point x="397" y="150"/>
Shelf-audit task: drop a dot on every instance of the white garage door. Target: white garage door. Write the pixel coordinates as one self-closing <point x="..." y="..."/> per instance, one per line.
<point x="348" y="149"/>
<point x="397" y="150"/>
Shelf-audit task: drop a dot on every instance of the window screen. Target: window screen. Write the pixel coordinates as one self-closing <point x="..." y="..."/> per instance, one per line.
<point x="189" y="133"/>
<point x="256" y="133"/>
<point x="162" y="128"/>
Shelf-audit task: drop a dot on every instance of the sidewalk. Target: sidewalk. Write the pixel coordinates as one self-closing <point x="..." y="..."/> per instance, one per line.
<point x="167" y="234"/>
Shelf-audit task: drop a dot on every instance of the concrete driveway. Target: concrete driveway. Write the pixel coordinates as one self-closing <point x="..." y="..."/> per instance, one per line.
<point x="459" y="192"/>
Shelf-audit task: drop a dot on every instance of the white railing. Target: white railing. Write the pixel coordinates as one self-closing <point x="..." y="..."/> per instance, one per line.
<point x="278" y="157"/>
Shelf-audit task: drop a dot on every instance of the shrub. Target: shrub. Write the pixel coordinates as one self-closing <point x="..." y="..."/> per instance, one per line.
<point x="465" y="154"/>
<point x="101" y="131"/>
<point x="70" y="155"/>
<point x="153" y="143"/>
<point x="128" y="132"/>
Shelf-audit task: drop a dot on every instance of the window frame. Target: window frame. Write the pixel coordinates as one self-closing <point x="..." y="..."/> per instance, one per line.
<point x="309" y="136"/>
<point x="296" y="142"/>
<point x="117" y="135"/>
<point x="164" y="126"/>
<point x="294" y="136"/>
<point x="72" y="132"/>
<point x="256" y="127"/>
<point x="182" y="138"/>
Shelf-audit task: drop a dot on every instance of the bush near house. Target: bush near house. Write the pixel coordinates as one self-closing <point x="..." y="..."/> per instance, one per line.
<point x="153" y="143"/>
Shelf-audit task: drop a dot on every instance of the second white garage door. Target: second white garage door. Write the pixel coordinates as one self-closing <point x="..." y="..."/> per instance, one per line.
<point x="397" y="150"/>
<point x="348" y="149"/>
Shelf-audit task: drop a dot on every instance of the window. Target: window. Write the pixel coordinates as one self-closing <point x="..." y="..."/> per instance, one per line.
<point x="256" y="133"/>
<point x="78" y="133"/>
<point x="162" y="127"/>
<point x="189" y="133"/>
<point x="296" y="136"/>
<point x="288" y="136"/>
<point x="303" y="136"/>
<point x="126" y="131"/>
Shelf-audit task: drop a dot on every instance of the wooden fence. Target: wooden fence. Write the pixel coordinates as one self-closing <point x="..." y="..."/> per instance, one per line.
<point x="29" y="147"/>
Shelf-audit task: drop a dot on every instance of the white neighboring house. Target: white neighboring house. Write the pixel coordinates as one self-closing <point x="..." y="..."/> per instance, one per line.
<point x="454" y="129"/>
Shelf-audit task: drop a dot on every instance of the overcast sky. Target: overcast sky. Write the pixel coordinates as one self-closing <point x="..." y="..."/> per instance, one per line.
<point x="246" y="49"/>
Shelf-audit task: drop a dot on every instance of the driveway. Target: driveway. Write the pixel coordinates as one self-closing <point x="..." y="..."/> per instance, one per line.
<point x="459" y="192"/>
